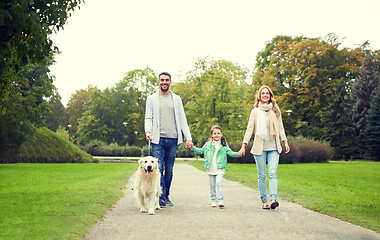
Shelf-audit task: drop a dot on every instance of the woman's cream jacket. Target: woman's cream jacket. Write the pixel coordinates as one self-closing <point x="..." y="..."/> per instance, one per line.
<point x="258" y="142"/>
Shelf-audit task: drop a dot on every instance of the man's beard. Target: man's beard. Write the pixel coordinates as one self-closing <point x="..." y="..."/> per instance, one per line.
<point x="164" y="90"/>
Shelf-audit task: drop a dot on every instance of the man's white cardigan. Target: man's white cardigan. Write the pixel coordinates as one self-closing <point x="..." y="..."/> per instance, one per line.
<point x="152" y="117"/>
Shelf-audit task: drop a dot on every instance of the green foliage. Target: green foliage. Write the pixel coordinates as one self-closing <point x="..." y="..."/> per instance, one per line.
<point x="183" y="152"/>
<point x="56" y="116"/>
<point x="373" y="126"/>
<point x="340" y="130"/>
<point x="63" y="133"/>
<point x="25" y="27"/>
<point x="302" y="74"/>
<point x="76" y="107"/>
<point x="47" y="147"/>
<point x="99" y="148"/>
<point x="263" y="57"/>
<point x="212" y="95"/>
<point x="58" y="201"/>
<point x="362" y="92"/>
<point x="104" y="113"/>
<point x="26" y="107"/>
<point x="304" y="150"/>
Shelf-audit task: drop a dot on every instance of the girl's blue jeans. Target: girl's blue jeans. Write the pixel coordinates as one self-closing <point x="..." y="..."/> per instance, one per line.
<point x="272" y="157"/>
<point x="216" y="181"/>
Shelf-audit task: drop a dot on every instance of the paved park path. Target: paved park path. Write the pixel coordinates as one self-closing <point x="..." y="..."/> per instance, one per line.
<point x="191" y="217"/>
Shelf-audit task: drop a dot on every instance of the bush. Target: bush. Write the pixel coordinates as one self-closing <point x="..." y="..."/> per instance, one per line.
<point x="302" y="150"/>
<point x="247" y="158"/>
<point x="98" y="148"/>
<point x="133" y="151"/>
<point x="184" y="152"/>
<point x="145" y="151"/>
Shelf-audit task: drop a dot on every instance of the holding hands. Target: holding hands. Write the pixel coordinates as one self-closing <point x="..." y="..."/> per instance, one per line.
<point x="242" y="150"/>
<point x="189" y="144"/>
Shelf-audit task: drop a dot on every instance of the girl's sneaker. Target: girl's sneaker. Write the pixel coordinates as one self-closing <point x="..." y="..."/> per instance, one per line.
<point x="221" y="204"/>
<point x="213" y="204"/>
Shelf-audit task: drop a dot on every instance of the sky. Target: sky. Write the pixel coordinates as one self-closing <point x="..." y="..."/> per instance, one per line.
<point x="103" y="40"/>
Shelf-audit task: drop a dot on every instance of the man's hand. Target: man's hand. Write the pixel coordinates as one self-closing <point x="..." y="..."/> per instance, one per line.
<point x="148" y="136"/>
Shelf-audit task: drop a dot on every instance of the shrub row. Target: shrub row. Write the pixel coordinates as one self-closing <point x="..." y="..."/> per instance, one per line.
<point x="304" y="150"/>
<point x="301" y="151"/>
<point x="97" y="148"/>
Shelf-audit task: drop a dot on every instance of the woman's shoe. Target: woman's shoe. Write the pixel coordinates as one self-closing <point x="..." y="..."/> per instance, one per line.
<point x="274" y="204"/>
<point x="266" y="205"/>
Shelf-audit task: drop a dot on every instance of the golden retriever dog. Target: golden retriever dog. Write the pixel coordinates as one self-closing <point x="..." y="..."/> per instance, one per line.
<point x="147" y="184"/>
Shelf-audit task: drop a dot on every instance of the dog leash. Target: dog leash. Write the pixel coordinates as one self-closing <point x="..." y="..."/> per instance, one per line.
<point x="149" y="148"/>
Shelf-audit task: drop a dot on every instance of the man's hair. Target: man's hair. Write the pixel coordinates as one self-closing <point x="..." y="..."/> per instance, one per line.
<point x="165" y="73"/>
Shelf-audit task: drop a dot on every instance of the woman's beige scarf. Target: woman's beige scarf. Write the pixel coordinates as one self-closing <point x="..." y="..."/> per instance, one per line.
<point x="266" y="127"/>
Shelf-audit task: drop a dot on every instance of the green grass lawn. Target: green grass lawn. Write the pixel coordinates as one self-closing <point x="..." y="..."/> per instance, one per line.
<point x="57" y="201"/>
<point x="346" y="190"/>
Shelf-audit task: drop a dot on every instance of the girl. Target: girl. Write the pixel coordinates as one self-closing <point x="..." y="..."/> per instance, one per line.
<point x="215" y="161"/>
<point x="266" y="119"/>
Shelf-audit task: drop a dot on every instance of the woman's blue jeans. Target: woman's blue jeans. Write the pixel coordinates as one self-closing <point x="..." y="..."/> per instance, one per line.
<point x="272" y="157"/>
<point x="165" y="151"/>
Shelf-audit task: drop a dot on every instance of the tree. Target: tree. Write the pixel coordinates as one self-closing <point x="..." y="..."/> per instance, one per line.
<point x="362" y="92"/>
<point x="373" y="126"/>
<point x="76" y="108"/>
<point x="57" y="115"/>
<point x="213" y="94"/>
<point x="302" y="73"/>
<point x="339" y="129"/>
<point x="26" y="107"/>
<point x="25" y="27"/>
<point x="106" y="111"/>
<point x="263" y="57"/>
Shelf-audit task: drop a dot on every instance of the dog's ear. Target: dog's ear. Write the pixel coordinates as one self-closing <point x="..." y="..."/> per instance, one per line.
<point x="140" y="163"/>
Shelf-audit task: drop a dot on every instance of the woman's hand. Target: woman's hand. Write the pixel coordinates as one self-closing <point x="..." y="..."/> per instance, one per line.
<point x="242" y="151"/>
<point x="287" y="148"/>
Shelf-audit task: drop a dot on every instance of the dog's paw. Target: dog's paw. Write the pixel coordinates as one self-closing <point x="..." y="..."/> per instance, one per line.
<point x="142" y="210"/>
<point x="151" y="212"/>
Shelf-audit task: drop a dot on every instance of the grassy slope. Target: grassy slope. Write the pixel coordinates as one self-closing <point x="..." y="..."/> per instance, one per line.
<point x="346" y="190"/>
<point x="47" y="146"/>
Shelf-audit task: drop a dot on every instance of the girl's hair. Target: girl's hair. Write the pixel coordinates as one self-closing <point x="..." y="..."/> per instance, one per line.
<point x="222" y="139"/>
<point x="271" y="100"/>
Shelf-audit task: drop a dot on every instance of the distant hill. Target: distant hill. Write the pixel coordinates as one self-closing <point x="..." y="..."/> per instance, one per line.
<point x="48" y="147"/>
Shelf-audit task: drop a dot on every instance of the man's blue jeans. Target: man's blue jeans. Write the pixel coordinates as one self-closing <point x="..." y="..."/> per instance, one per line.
<point x="261" y="160"/>
<point x="165" y="151"/>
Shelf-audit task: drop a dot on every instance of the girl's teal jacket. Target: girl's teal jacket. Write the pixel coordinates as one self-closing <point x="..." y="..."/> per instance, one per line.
<point x="221" y="157"/>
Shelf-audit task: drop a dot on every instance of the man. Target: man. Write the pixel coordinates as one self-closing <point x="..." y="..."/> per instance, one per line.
<point x="165" y="121"/>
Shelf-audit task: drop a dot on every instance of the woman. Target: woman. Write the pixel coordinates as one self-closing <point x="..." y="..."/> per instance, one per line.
<point x="266" y="119"/>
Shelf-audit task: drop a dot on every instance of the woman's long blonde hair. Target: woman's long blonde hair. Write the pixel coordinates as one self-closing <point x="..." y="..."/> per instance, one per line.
<point x="271" y="100"/>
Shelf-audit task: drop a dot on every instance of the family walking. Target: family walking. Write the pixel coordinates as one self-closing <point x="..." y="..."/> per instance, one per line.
<point x="165" y="121"/>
